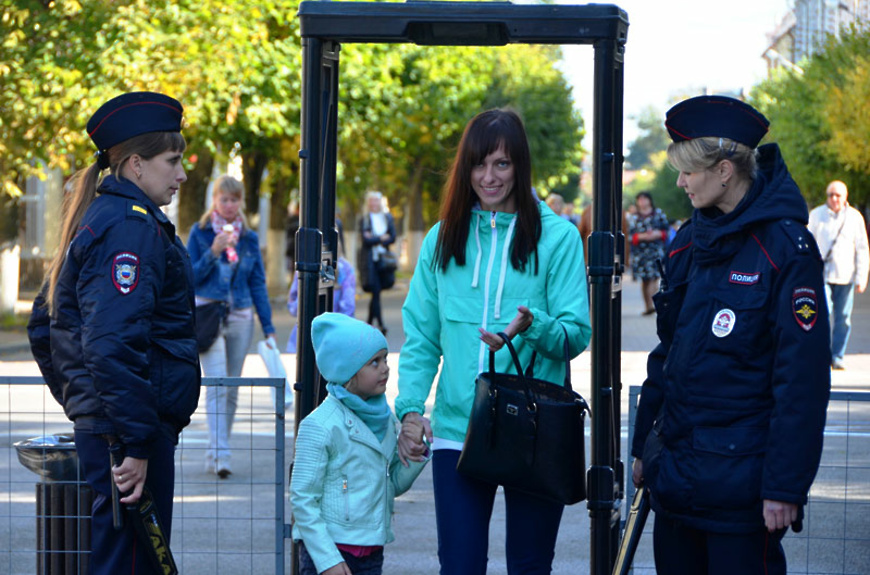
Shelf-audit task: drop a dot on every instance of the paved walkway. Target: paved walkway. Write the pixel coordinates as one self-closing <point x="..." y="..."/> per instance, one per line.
<point x="638" y="331"/>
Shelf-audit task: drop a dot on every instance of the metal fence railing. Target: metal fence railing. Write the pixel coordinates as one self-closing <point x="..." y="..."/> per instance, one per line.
<point x="836" y="534"/>
<point x="220" y="526"/>
<point x="240" y="524"/>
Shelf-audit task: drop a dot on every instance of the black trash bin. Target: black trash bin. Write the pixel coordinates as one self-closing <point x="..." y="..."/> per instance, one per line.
<point x="63" y="505"/>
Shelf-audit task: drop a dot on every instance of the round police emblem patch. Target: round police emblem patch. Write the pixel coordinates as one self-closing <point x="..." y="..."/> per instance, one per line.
<point x="723" y="322"/>
<point x="125" y="272"/>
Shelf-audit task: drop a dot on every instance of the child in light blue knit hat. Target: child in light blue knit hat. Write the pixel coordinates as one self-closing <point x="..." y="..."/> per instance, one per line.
<point x="341" y="495"/>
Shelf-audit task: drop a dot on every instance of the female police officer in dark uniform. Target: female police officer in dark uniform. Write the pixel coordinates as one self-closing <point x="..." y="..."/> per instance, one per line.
<point x="123" y="358"/>
<point x="728" y="435"/>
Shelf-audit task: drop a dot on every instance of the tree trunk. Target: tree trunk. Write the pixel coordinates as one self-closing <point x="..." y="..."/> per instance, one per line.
<point x="191" y="199"/>
<point x="415" y="225"/>
<point x="252" y="168"/>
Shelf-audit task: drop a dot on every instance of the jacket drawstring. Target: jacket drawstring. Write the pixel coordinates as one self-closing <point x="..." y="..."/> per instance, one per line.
<point x="504" y="263"/>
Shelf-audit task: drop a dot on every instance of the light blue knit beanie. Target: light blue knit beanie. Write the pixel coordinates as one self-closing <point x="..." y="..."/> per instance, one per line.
<point x="343" y="345"/>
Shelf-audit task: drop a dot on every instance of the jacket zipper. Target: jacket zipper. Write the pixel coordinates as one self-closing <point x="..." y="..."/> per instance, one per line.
<point x="387" y="519"/>
<point x="489" y="265"/>
<point x="346" y="499"/>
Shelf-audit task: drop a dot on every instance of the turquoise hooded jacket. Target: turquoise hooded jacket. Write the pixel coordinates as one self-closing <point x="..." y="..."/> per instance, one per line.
<point x="444" y="309"/>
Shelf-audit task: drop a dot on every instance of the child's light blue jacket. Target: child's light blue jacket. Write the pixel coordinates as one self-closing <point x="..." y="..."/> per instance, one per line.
<point x="344" y="482"/>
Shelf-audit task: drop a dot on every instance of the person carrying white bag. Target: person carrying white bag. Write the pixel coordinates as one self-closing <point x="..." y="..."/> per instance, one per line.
<point x="272" y="358"/>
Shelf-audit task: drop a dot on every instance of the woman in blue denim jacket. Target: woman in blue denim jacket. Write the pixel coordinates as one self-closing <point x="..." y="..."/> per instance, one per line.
<point x="227" y="266"/>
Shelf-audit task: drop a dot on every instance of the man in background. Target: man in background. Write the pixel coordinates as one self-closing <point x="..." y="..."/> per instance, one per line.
<point x="841" y="233"/>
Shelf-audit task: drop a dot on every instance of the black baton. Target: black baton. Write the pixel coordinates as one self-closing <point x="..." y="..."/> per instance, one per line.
<point x="115" y="457"/>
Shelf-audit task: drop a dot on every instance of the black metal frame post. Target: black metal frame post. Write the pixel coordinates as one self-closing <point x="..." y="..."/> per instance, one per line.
<point x="616" y="309"/>
<point x="316" y="238"/>
<point x="605" y="306"/>
<point x="616" y="298"/>
<point x="324" y="26"/>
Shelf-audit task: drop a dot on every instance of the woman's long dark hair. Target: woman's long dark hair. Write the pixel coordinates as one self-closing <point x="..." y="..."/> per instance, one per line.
<point x="483" y="135"/>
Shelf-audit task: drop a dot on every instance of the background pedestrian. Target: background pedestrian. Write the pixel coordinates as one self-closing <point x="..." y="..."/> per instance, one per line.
<point x="228" y="267"/>
<point x="377" y="232"/>
<point x="648" y="234"/>
<point x="841" y="234"/>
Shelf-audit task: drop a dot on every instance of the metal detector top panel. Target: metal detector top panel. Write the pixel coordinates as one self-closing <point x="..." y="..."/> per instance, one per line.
<point x="461" y="23"/>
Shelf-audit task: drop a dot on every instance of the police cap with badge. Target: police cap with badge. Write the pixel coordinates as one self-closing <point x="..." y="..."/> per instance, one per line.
<point x="130" y="115"/>
<point x="718" y="117"/>
<point x="121" y="118"/>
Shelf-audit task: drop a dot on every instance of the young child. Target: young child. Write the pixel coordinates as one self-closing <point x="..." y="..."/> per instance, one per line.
<point x="346" y="469"/>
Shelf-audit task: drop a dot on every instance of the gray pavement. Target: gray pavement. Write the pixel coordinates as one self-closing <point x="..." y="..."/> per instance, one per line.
<point x="415" y="548"/>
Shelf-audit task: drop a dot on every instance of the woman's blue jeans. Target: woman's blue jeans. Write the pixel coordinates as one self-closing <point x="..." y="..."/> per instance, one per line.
<point x="463" y="508"/>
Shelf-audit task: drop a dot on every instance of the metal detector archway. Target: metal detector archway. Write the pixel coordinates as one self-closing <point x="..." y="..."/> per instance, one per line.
<point x="324" y="27"/>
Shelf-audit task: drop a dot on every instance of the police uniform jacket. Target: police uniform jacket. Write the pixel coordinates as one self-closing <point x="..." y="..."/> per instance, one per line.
<point x="733" y="408"/>
<point x="123" y="348"/>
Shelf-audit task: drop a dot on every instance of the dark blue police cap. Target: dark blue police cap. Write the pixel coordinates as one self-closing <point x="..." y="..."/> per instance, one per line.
<point x="132" y="114"/>
<point x="716" y="116"/>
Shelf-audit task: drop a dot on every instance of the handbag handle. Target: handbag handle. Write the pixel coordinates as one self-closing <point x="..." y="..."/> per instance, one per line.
<point x="528" y="372"/>
<point x="531" y="405"/>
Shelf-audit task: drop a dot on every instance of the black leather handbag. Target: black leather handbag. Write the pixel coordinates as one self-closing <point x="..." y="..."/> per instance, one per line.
<point x="527" y="434"/>
<point x="209" y="318"/>
<point x="388" y="261"/>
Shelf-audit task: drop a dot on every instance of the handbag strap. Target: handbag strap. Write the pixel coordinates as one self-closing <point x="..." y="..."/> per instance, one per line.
<point x="528" y="371"/>
<point x="531" y="366"/>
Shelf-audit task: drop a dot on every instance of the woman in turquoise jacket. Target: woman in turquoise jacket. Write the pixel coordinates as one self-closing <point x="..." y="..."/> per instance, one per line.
<point x="498" y="261"/>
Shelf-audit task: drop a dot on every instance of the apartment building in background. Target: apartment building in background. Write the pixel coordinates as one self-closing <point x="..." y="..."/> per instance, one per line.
<point x="804" y="29"/>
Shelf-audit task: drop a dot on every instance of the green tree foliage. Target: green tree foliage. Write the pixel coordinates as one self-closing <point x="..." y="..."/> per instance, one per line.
<point x="404" y="109"/>
<point x="48" y="76"/>
<point x="238" y="77"/>
<point x="820" y="118"/>
<point x="526" y="78"/>
<point x="652" y="139"/>
<point x="672" y="200"/>
<point x="236" y="67"/>
<point x="648" y="156"/>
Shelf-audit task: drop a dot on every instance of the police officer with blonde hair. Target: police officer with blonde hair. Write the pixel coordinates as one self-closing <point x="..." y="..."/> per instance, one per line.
<point x="729" y="428"/>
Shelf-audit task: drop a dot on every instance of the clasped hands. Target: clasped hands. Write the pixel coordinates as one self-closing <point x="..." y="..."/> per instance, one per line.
<point x="521" y="322"/>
